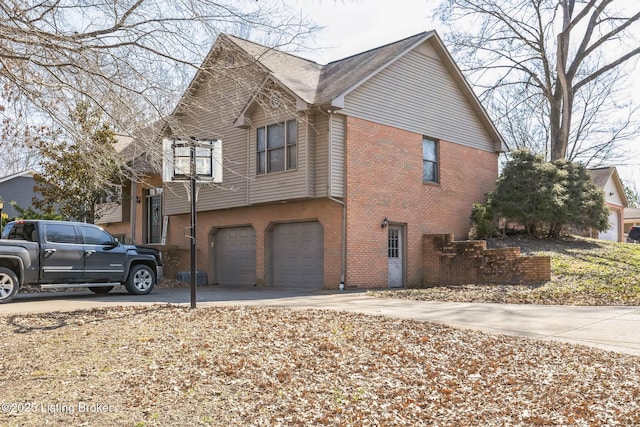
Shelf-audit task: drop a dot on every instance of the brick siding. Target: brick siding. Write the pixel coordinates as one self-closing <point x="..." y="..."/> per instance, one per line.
<point x="384" y="180"/>
<point x="383" y="168"/>
<point x="262" y="219"/>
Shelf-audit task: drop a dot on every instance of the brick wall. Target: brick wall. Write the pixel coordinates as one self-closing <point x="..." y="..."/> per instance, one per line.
<point x="262" y="219"/>
<point x="384" y="180"/>
<point x="449" y="262"/>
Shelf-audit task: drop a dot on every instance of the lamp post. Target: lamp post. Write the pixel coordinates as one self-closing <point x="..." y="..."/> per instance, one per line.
<point x="1" y="208"/>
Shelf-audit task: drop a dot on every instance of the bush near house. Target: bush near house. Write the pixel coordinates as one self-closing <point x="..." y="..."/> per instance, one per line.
<point x="542" y="198"/>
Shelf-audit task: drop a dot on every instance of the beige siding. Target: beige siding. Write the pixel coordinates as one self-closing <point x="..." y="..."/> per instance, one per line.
<point x="320" y="130"/>
<point x="310" y="137"/>
<point x="280" y="185"/>
<point x="109" y="213"/>
<point x="336" y="158"/>
<point x="418" y="94"/>
<point x="210" y="113"/>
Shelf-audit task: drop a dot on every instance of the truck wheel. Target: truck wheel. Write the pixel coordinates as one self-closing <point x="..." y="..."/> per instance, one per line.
<point x="8" y="285"/>
<point x="100" y="289"/>
<point x="141" y="280"/>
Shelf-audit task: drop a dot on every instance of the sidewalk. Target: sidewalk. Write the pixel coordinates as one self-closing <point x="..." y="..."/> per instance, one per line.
<point x="609" y="328"/>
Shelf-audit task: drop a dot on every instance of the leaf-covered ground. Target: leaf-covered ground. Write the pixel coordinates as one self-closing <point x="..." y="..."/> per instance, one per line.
<point x="171" y="366"/>
<point x="583" y="272"/>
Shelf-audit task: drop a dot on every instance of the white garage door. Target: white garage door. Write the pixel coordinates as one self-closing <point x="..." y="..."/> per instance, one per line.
<point x="235" y="256"/>
<point x="298" y="255"/>
<point x="612" y="232"/>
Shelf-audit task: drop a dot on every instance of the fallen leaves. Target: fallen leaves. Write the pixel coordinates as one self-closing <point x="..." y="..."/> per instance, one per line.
<point x="167" y="365"/>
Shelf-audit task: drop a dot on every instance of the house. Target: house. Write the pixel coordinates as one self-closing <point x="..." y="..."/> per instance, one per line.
<point x="17" y="187"/>
<point x="631" y="218"/>
<point x="332" y="173"/>
<point x="609" y="181"/>
<point x="137" y="216"/>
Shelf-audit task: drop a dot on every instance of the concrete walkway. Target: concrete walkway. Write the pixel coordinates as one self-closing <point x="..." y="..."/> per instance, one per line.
<point x="610" y="328"/>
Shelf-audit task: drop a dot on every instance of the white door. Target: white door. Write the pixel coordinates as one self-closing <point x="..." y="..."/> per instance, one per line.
<point x="395" y="254"/>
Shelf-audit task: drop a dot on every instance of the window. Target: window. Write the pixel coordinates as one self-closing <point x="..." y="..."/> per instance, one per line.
<point x="394" y="243"/>
<point x="429" y="160"/>
<point x="21" y="231"/>
<point x="60" y="233"/>
<point x="95" y="236"/>
<point x="276" y="147"/>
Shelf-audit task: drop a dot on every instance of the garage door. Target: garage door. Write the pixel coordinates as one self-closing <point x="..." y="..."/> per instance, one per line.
<point x="298" y="255"/>
<point x="235" y="256"/>
<point x="612" y="232"/>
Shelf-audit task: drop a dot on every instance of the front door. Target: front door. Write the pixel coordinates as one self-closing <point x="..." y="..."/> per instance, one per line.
<point x="395" y="256"/>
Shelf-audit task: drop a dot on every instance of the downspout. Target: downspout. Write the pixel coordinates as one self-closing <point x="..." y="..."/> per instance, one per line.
<point x="343" y="255"/>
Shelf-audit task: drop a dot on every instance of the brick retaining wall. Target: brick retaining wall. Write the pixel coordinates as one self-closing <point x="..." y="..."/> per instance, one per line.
<point x="449" y="262"/>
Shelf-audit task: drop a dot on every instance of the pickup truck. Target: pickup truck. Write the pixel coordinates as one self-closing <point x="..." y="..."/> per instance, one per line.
<point x="62" y="254"/>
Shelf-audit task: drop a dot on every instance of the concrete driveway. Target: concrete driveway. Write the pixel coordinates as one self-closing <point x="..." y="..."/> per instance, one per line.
<point x="610" y="328"/>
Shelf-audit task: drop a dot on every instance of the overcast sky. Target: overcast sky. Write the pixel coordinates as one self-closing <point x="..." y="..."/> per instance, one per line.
<point x="353" y="26"/>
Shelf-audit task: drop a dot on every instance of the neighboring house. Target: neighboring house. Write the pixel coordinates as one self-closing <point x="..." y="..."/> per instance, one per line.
<point x="608" y="179"/>
<point x="631" y="218"/>
<point x="332" y="173"/>
<point x="137" y="216"/>
<point x="18" y="188"/>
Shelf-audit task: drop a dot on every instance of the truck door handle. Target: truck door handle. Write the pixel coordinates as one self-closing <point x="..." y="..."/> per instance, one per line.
<point x="88" y="252"/>
<point x="50" y="250"/>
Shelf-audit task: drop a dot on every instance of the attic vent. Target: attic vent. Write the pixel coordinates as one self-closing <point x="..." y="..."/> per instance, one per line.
<point x="276" y="102"/>
<point x="230" y="59"/>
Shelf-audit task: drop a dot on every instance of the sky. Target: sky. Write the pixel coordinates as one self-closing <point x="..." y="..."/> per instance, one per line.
<point x="353" y="26"/>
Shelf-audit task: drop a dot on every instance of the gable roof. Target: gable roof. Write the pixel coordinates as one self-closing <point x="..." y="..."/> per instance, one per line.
<point x="17" y="175"/>
<point x="341" y="77"/>
<point x="602" y="176"/>
<point x="299" y="75"/>
<point x="321" y="85"/>
<point x="138" y="150"/>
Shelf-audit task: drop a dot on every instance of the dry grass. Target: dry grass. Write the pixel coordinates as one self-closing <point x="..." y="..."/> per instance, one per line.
<point x="170" y="366"/>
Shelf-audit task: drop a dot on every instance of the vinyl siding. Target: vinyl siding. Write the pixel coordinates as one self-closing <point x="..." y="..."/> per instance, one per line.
<point x="320" y="131"/>
<point x="417" y="93"/>
<point x="232" y="192"/>
<point x="337" y="155"/>
<point x="279" y="185"/>
<point x="211" y="112"/>
<point x="19" y="190"/>
<point x="110" y="212"/>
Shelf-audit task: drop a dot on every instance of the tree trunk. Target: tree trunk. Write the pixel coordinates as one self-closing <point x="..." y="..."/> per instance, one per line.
<point x="563" y="93"/>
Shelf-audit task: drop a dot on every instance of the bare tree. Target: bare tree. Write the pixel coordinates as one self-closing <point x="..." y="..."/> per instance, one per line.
<point x="130" y="58"/>
<point x="555" y="67"/>
<point x="19" y="138"/>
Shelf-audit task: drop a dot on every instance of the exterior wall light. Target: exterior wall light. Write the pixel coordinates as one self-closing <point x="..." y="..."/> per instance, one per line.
<point x="385" y="223"/>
